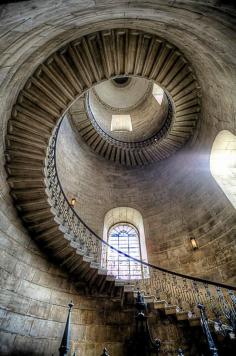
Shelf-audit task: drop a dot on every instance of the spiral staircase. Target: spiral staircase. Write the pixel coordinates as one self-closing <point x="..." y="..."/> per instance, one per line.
<point x="32" y="168"/>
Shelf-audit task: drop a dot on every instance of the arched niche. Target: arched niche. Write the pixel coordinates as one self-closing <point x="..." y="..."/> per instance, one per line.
<point x="223" y="163"/>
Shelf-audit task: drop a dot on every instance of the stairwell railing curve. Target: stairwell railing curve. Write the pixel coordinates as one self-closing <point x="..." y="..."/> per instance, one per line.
<point x="171" y="288"/>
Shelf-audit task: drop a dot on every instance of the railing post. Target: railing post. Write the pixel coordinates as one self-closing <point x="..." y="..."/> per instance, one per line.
<point x="65" y="342"/>
<point x="206" y="330"/>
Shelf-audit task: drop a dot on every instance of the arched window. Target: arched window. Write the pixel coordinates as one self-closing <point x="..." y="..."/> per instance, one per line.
<point x="223" y="163"/>
<point x="124" y="230"/>
<point x="124" y="237"/>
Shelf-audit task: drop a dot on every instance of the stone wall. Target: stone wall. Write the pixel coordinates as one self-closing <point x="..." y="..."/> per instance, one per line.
<point x="34" y="298"/>
<point x="34" y="293"/>
<point x="178" y="199"/>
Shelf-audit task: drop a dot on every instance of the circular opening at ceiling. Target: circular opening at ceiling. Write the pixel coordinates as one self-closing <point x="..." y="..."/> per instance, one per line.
<point x="135" y="113"/>
<point x="121" y="81"/>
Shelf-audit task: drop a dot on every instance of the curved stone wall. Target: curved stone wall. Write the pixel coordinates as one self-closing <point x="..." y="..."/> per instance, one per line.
<point x="34" y="298"/>
<point x="147" y="118"/>
<point x="31" y="316"/>
<point x="178" y="199"/>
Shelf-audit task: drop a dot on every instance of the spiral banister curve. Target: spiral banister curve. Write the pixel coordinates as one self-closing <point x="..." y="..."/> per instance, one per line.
<point x="173" y="288"/>
<point x="51" y="165"/>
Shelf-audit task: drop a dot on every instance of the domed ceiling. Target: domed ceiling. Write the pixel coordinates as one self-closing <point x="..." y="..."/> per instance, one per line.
<point x="131" y="121"/>
<point x="144" y="112"/>
<point x="133" y="106"/>
<point x="123" y="93"/>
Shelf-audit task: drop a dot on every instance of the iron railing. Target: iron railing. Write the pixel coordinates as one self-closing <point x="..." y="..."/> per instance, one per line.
<point x="161" y="285"/>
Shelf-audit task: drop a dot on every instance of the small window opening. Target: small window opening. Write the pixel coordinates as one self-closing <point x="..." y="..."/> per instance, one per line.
<point x="223" y="163"/>
<point x="121" y="123"/>
<point x="158" y="93"/>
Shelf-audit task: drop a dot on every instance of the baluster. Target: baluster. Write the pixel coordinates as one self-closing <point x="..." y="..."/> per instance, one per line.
<point x="66" y="214"/>
<point x="163" y="285"/>
<point x="186" y="296"/>
<point x="174" y="291"/>
<point x="212" y="303"/>
<point x="73" y="223"/>
<point x="180" y="292"/>
<point x="81" y="237"/>
<point x="98" y="255"/>
<point x="104" y="256"/>
<point x="196" y="295"/>
<point x="156" y="284"/>
<point x="76" y="227"/>
<point x="94" y="247"/>
<point x="232" y="297"/>
<point x="227" y="309"/>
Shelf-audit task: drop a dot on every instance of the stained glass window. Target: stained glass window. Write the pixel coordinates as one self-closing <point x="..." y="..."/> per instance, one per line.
<point x="124" y="237"/>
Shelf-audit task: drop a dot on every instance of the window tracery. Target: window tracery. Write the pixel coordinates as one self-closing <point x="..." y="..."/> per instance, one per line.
<point x="124" y="231"/>
<point x="124" y="237"/>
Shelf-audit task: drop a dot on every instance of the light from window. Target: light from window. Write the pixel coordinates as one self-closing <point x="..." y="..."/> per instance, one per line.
<point x="121" y="123"/>
<point x="124" y="237"/>
<point x="158" y="93"/>
<point x="223" y="163"/>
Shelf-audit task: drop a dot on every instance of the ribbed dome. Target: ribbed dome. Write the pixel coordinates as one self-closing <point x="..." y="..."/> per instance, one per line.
<point x="147" y="116"/>
<point x="125" y="96"/>
<point x="51" y="54"/>
<point x="152" y="134"/>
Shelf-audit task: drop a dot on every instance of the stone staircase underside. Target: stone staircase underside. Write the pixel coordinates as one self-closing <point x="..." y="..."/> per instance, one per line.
<point x="118" y="151"/>
<point x="61" y="79"/>
<point x="173" y="75"/>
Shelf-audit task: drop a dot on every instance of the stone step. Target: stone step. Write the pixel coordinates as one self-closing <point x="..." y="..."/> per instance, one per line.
<point x="31" y="205"/>
<point x="25" y="182"/>
<point x="44" y="87"/>
<point x="22" y="195"/>
<point x="24" y="156"/>
<point x="37" y="214"/>
<point x="37" y="227"/>
<point x="41" y="120"/>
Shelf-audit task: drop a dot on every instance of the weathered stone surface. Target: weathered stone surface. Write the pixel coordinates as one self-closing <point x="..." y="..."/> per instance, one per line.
<point x="32" y="289"/>
<point x="178" y="198"/>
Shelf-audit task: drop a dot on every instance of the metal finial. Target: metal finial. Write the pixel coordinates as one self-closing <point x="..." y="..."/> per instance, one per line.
<point x="70" y="305"/>
<point x="140" y="303"/>
<point x="105" y="352"/>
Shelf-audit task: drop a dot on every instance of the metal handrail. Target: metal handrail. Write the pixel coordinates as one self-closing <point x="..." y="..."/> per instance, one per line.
<point x="162" y="284"/>
<point x="149" y="265"/>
